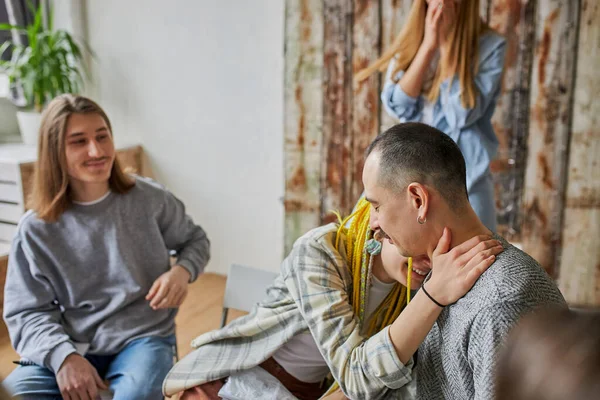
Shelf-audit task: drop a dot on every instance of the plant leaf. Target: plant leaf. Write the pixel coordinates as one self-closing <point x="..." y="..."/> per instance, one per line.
<point x="4" y="47"/>
<point x="9" y="27"/>
<point x="50" y="64"/>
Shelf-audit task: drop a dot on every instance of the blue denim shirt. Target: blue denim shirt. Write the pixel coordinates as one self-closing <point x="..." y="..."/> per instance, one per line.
<point x="470" y="128"/>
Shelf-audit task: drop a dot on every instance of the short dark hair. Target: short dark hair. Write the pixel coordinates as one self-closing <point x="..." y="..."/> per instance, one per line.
<point x="416" y="152"/>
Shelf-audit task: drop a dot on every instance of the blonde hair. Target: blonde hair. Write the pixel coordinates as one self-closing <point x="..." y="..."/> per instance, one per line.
<point x="461" y="59"/>
<point x="51" y="191"/>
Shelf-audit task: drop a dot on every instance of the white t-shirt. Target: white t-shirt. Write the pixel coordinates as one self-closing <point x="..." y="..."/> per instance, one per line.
<point x="91" y="203"/>
<point x="301" y="357"/>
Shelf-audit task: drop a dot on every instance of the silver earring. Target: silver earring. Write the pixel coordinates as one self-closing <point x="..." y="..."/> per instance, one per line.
<point x="421" y="221"/>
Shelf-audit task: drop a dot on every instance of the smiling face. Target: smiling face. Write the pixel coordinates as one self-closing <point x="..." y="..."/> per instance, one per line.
<point x="394" y="214"/>
<point x="396" y="266"/>
<point x="89" y="149"/>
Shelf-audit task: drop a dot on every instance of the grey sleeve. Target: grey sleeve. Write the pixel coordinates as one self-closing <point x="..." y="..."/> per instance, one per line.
<point x="33" y="320"/>
<point x="182" y="235"/>
<point x="488" y="332"/>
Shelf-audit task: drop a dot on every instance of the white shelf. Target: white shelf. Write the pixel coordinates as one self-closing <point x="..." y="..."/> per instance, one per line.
<point x="17" y="153"/>
<point x="4" y="248"/>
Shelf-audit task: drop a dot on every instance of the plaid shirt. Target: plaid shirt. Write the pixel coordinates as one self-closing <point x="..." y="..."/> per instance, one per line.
<point x="311" y="293"/>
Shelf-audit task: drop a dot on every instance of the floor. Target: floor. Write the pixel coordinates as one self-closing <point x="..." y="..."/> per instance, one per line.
<point x="201" y="312"/>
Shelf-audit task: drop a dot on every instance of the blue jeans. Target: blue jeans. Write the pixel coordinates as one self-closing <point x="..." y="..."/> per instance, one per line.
<point x="136" y="373"/>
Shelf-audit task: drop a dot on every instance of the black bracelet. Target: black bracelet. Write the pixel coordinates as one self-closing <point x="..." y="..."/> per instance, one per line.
<point x="431" y="298"/>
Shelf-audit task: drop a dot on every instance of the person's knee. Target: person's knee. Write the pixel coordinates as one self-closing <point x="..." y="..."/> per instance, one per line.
<point x="31" y="379"/>
<point x="139" y="391"/>
<point x="139" y="370"/>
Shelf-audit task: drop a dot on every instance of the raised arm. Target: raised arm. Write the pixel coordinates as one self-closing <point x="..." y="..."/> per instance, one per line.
<point x="401" y="94"/>
<point x="370" y="368"/>
<point x="454" y="272"/>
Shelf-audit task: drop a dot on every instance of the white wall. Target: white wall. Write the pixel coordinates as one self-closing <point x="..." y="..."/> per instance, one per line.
<point x="199" y="84"/>
<point x="9" y="131"/>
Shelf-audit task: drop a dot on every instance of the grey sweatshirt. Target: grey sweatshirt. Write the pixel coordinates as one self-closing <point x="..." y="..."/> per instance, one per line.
<point x="458" y="357"/>
<point x="84" y="278"/>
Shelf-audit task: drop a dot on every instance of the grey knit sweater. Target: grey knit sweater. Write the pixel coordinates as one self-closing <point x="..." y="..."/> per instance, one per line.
<point x="457" y="359"/>
<point x="84" y="278"/>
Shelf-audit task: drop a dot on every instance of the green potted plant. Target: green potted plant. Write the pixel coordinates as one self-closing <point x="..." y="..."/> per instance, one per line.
<point x="49" y="64"/>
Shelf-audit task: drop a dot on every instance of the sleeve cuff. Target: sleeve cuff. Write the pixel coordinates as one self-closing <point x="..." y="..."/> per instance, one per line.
<point x="58" y="354"/>
<point x="398" y="104"/>
<point x="189" y="268"/>
<point x="384" y="362"/>
<point x="399" y="97"/>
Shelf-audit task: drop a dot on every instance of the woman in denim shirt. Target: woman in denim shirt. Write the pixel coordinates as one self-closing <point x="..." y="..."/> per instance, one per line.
<point x="445" y="69"/>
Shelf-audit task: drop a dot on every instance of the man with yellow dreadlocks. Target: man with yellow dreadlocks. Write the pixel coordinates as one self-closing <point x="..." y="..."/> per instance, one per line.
<point x="340" y="306"/>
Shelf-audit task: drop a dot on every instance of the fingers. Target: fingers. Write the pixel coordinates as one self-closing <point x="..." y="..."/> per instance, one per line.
<point x="75" y="393"/>
<point x="479" y="269"/>
<point x="161" y="295"/>
<point x="433" y="9"/>
<point x="469" y="244"/>
<point x="167" y="301"/>
<point x="170" y="289"/>
<point x="99" y="382"/>
<point x="163" y="304"/>
<point x="92" y="393"/>
<point x="437" y="12"/>
<point x="87" y="389"/>
<point x="443" y="245"/>
<point x="173" y="300"/>
<point x="80" y="394"/>
<point x="153" y="290"/>
<point x="481" y="249"/>
<point x="481" y="256"/>
<point x="430" y="10"/>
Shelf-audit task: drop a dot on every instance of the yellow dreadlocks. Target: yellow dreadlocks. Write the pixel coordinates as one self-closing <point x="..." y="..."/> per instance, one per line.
<point x="357" y="235"/>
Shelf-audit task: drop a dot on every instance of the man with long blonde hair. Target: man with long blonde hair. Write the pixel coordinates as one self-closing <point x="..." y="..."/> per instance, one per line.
<point x="90" y="294"/>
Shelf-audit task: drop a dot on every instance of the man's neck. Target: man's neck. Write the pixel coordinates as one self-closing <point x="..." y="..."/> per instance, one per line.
<point x="464" y="233"/>
<point x="462" y="228"/>
<point x="85" y="192"/>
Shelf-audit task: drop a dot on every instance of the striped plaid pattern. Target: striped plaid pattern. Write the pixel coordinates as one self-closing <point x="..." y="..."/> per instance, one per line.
<point x="311" y="292"/>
